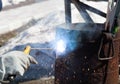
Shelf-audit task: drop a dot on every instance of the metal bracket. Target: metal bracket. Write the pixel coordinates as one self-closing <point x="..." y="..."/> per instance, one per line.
<point x="108" y="37"/>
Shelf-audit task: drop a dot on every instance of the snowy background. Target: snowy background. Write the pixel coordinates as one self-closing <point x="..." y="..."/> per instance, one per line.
<point x="46" y="15"/>
<point x="10" y="2"/>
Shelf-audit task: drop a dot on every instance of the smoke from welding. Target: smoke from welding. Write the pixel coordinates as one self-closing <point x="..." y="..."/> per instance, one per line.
<point x="75" y="35"/>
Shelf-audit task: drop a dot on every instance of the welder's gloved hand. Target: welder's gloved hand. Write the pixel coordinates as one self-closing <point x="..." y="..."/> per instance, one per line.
<point x="15" y="63"/>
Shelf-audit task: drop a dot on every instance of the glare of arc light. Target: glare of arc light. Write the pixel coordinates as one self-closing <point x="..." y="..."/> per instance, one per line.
<point x="61" y="46"/>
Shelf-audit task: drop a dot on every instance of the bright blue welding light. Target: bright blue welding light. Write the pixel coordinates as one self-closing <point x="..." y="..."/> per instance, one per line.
<point x="61" y="46"/>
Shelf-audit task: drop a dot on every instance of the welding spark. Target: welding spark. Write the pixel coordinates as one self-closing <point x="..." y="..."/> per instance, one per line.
<point x="60" y="46"/>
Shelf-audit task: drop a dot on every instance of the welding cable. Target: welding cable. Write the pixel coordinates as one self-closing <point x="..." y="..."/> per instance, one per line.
<point x="4" y="82"/>
<point x="10" y="78"/>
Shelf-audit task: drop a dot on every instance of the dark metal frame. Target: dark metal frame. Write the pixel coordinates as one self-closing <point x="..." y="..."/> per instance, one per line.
<point x="113" y="11"/>
<point x="82" y="7"/>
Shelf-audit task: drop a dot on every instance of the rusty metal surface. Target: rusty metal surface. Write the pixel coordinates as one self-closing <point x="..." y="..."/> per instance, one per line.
<point x="81" y="66"/>
<point x="118" y="40"/>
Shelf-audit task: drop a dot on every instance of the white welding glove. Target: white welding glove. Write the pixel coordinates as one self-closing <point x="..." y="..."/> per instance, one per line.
<point x="15" y="62"/>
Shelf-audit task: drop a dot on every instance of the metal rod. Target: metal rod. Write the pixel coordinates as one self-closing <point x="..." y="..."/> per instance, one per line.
<point x="68" y="11"/>
<point x="41" y="48"/>
<point x="83" y="12"/>
<point x="92" y="9"/>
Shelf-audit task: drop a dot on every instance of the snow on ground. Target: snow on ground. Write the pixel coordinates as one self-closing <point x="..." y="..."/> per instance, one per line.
<point x="42" y="34"/>
<point x="11" y="2"/>
<point x="15" y="18"/>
